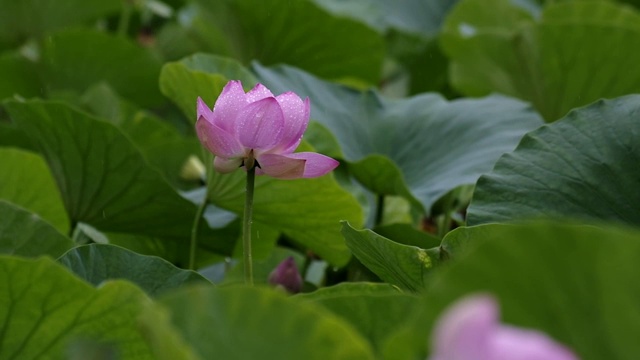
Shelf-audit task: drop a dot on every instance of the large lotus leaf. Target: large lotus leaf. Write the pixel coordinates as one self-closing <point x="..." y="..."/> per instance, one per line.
<point x="165" y="148"/>
<point x="583" y="166"/>
<point x="162" y="144"/>
<point x="437" y="144"/>
<point x="263" y="30"/>
<point x="380" y="174"/>
<point x="214" y="244"/>
<point x="254" y="323"/>
<point x="593" y="12"/>
<point x="413" y="16"/>
<point x="375" y="310"/>
<point x="104" y="102"/>
<point x="535" y="6"/>
<point x="567" y="280"/>
<point x="97" y="263"/>
<point x="502" y="17"/>
<point x="175" y="41"/>
<point x="424" y="59"/>
<point x="12" y="136"/>
<point x="425" y="66"/>
<point x="457" y="241"/>
<point x="308" y="211"/>
<point x="264" y="241"/>
<point x="402" y="265"/>
<point x="408" y="234"/>
<point x="410" y="29"/>
<point x="351" y="289"/>
<point x="77" y="59"/>
<point x="212" y="247"/>
<point x="164" y="339"/>
<point x="635" y="3"/>
<point x="45" y="310"/>
<point x="25" y="180"/>
<point x="20" y="20"/>
<point x="19" y="76"/>
<point x="103" y="178"/>
<point x="26" y="234"/>
<point x="200" y="75"/>
<point x="323" y="140"/>
<point x="172" y="251"/>
<point x="576" y="53"/>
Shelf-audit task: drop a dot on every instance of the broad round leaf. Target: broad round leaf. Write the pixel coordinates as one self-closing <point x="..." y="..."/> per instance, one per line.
<point x="77" y="59"/>
<point x="19" y="76"/>
<point x="407" y="233"/>
<point x="583" y="166"/>
<point x="44" y="309"/>
<point x="26" y="234"/>
<point x="437" y="144"/>
<point x="577" y="52"/>
<point x="380" y="174"/>
<point x="25" y="180"/>
<point x="402" y="265"/>
<point x="410" y="28"/>
<point x="276" y="32"/>
<point x="375" y="310"/>
<point x="20" y="20"/>
<point x="413" y="16"/>
<point x="97" y="263"/>
<point x="103" y="178"/>
<point x="12" y="136"/>
<point x="162" y="144"/>
<point x="256" y="323"/>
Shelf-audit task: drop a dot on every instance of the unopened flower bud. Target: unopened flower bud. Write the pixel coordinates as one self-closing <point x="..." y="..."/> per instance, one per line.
<point x="286" y="274"/>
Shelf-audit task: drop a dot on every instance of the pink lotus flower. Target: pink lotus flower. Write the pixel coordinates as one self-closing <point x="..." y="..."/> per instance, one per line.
<point x="259" y="129"/>
<point x="470" y="330"/>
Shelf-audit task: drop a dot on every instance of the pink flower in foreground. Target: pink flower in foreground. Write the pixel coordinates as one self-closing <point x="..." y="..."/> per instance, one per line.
<point x="259" y="129"/>
<point x="470" y="330"/>
<point x="286" y="274"/>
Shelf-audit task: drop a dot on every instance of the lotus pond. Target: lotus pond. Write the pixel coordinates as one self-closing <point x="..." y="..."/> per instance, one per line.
<point x="320" y="179"/>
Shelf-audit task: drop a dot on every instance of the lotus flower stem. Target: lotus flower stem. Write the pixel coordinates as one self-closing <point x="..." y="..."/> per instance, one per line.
<point x="125" y="18"/>
<point x="246" y="226"/>
<point x="445" y="221"/>
<point x="445" y="224"/>
<point x="193" y="245"/>
<point x="379" y="210"/>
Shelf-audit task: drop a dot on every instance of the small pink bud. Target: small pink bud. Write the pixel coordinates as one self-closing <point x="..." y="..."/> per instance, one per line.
<point x="286" y="275"/>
